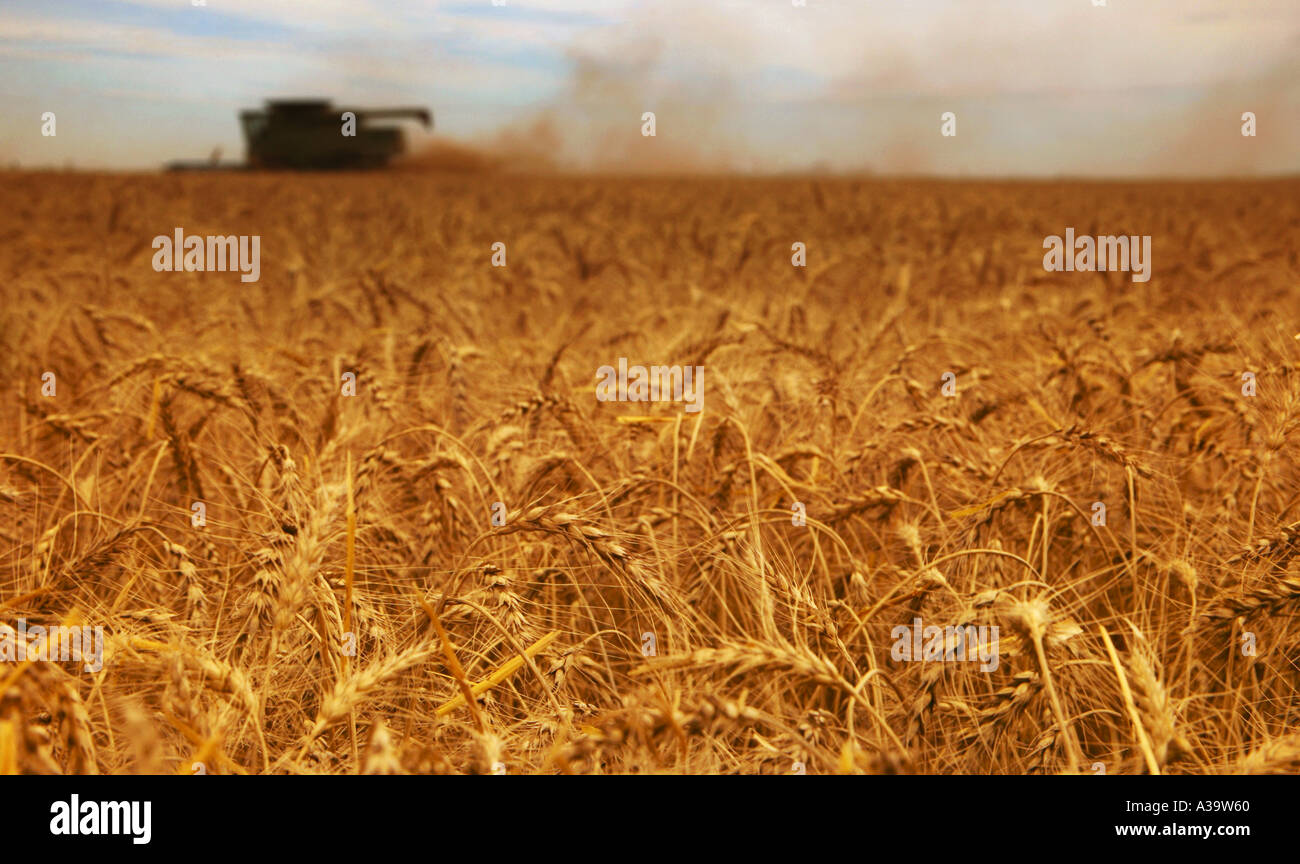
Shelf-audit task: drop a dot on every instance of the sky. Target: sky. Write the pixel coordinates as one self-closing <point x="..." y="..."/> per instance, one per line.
<point x="1038" y="87"/>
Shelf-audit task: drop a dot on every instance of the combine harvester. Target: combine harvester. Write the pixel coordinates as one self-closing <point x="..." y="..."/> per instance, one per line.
<point x="311" y="135"/>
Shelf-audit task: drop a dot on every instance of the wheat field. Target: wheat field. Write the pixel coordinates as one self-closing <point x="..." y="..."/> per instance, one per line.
<point x="650" y="604"/>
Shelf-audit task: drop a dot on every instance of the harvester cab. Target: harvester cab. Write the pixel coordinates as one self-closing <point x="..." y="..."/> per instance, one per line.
<point x="311" y="134"/>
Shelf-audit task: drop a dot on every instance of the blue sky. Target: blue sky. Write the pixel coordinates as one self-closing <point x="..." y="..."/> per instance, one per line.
<point x="1040" y="87"/>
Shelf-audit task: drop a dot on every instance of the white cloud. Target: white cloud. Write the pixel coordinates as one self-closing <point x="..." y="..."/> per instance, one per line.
<point x="756" y="76"/>
<point x="126" y="39"/>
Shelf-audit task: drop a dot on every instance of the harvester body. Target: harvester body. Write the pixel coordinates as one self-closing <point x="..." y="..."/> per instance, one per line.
<point x="308" y="134"/>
